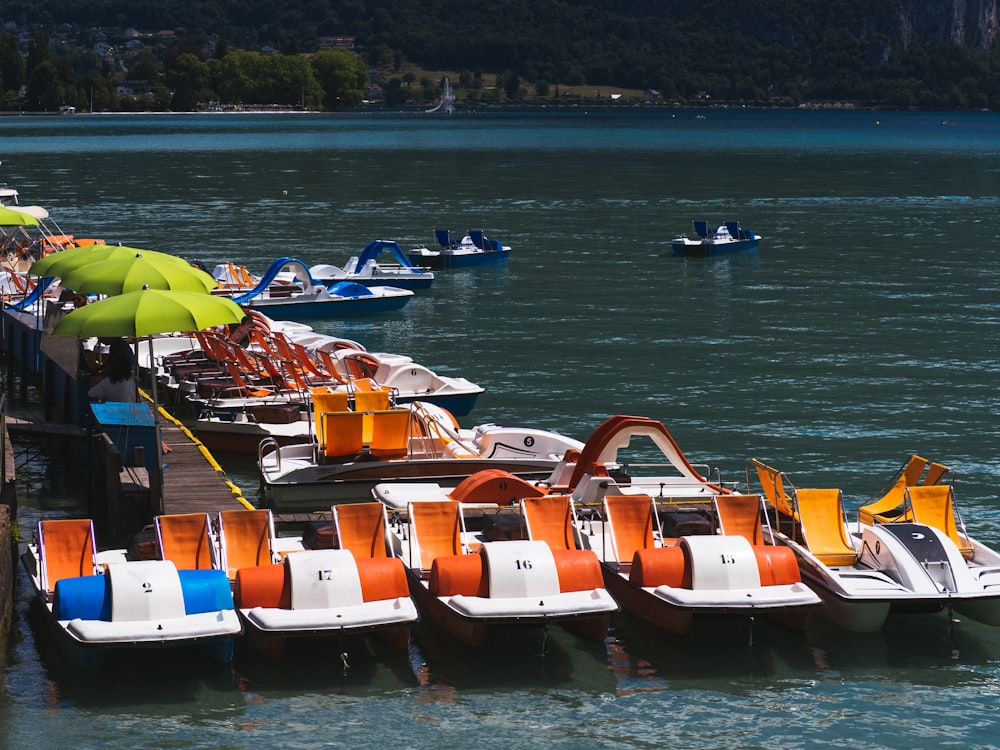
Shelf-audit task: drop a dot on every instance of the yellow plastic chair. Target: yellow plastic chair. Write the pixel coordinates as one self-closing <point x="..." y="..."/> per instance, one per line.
<point x="824" y="526"/>
<point x="325" y="400"/>
<point x="772" y="483"/>
<point x="934" y="505"/>
<point x="889" y="506"/>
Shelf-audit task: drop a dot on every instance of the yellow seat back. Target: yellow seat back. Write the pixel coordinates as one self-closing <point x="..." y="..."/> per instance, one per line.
<point x="934" y="505"/>
<point x="324" y="400"/>
<point x="821" y="514"/>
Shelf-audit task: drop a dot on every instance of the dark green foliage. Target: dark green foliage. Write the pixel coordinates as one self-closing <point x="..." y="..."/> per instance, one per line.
<point x="762" y="52"/>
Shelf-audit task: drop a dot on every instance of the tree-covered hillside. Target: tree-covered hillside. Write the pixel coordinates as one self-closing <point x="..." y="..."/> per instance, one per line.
<point x="924" y="53"/>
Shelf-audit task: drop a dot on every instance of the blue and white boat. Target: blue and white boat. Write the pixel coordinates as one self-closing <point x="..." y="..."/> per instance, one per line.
<point x="474" y="249"/>
<point x="727" y="238"/>
<point x="369" y="269"/>
<point x="289" y="290"/>
<point x="100" y="602"/>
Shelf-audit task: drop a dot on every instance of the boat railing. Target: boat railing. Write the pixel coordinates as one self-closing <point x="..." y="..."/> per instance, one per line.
<point x="266" y="447"/>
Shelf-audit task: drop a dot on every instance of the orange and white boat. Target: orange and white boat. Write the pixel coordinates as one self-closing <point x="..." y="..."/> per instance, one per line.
<point x="293" y="592"/>
<point x="469" y="582"/>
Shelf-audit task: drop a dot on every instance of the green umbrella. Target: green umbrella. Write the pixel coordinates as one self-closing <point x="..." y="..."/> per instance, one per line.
<point x="64" y="261"/>
<point x="10" y="217"/>
<point x="147" y="312"/>
<point x="144" y="269"/>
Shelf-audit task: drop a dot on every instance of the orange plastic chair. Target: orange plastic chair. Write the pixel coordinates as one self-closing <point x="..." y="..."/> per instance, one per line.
<point x="343" y="433"/>
<point x="361" y="528"/>
<point x="936" y="473"/>
<point x="390" y="436"/>
<point x="325" y="400"/>
<point x="246" y="539"/>
<point x="739" y="515"/>
<point x="377" y="400"/>
<point x="436" y="530"/>
<point x="824" y="526"/>
<point x="631" y="521"/>
<point x="185" y="540"/>
<point x="549" y="518"/>
<point x="66" y="549"/>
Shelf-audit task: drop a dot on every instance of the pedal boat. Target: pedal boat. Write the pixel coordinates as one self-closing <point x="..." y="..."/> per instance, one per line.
<point x="905" y="554"/>
<point x="353" y="590"/>
<point x="469" y="583"/>
<point x="719" y="567"/>
<point x="102" y="602"/>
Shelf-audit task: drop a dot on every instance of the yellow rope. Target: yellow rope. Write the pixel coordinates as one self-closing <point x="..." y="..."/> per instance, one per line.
<point x="204" y="451"/>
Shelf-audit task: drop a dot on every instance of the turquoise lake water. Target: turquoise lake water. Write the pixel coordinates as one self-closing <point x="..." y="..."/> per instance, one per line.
<point x="863" y="330"/>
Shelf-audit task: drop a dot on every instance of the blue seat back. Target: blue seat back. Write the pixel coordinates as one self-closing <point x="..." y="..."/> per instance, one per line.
<point x="476" y="235"/>
<point x="700" y="228"/>
<point x="443" y="237"/>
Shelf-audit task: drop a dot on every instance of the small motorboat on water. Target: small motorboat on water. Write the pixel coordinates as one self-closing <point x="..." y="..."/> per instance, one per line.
<point x="370" y="270"/>
<point x="908" y="551"/>
<point x="468" y="580"/>
<point x="727" y="238"/>
<point x="474" y="249"/>
<point x="99" y="602"/>
<point x="357" y="449"/>
<point x="288" y="289"/>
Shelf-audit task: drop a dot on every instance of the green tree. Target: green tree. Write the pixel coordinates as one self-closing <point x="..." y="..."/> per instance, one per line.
<point x="342" y="76"/>
<point x="188" y="78"/>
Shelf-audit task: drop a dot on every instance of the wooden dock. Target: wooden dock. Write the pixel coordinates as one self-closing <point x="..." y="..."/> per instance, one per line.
<point x="193" y="481"/>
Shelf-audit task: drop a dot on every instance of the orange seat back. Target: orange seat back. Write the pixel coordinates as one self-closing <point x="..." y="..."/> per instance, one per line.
<point x="436" y="528"/>
<point x="360" y="528"/>
<point x="390" y="436"/>
<point x="245" y="539"/>
<point x="343" y="433"/>
<point x="739" y="515"/>
<point x="631" y="520"/>
<point x="325" y="400"/>
<point x="185" y="540"/>
<point x="549" y="518"/>
<point x="67" y="550"/>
